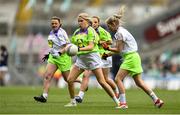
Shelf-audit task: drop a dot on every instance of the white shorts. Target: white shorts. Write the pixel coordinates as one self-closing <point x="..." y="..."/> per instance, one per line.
<point x="107" y="63"/>
<point x="89" y="61"/>
<point x="4" y="68"/>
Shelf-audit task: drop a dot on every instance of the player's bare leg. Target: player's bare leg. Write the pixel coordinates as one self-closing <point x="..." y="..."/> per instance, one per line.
<point x="118" y="79"/>
<point x="106" y="72"/>
<point x="85" y="80"/>
<point x="84" y="86"/>
<point x="140" y="83"/>
<point x="70" y="85"/>
<point x="99" y="75"/>
<point x="50" y="70"/>
<point x="74" y="73"/>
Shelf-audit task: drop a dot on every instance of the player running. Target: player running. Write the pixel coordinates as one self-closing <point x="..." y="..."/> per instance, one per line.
<point x="126" y="44"/>
<point x="88" y="58"/>
<point x="57" y="58"/>
<point x="104" y="37"/>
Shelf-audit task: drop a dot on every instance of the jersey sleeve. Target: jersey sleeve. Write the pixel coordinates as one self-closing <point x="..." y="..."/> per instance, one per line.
<point x="73" y="37"/>
<point x="62" y="36"/>
<point x="92" y="35"/>
<point x="104" y="35"/>
<point x="119" y="36"/>
<point x="66" y="37"/>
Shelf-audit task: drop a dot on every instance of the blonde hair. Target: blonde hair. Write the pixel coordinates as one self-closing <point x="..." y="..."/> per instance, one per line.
<point x="117" y="18"/>
<point x="84" y="16"/>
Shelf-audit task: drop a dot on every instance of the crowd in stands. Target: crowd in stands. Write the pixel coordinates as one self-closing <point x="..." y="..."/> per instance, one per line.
<point x="165" y="65"/>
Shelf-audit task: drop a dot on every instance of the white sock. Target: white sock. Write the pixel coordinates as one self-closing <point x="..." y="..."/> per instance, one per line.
<point x="73" y="100"/>
<point x="153" y="96"/>
<point x="116" y="100"/>
<point x="81" y="94"/>
<point x="45" y="95"/>
<point x="122" y="98"/>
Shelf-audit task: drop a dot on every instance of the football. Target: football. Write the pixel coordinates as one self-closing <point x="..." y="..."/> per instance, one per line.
<point x="72" y="50"/>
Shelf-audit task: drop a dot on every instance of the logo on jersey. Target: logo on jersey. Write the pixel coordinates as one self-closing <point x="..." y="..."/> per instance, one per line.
<point x="50" y="43"/>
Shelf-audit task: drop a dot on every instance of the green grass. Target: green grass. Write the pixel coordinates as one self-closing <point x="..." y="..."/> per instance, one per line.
<point x="19" y="100"/>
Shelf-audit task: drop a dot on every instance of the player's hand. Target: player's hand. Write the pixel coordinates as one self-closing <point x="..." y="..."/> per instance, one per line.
<point x="105" y="46"/>
<point x="104" y="56"/>
<point x="78" y="48"/>
<point x="101" y="42"/>
<point x="46" y="56"/>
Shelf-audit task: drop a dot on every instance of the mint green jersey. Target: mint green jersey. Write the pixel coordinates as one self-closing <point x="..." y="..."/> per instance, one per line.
<point x="103" y="36"/>
<point x="81" y="38"/>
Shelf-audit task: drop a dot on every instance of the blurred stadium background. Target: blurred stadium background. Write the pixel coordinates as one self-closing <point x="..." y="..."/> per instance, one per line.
<point x="25" y="25"/>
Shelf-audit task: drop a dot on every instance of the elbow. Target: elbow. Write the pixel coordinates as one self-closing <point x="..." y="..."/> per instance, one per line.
<point x="88" y="48"/>
<point x="117" y="50"/>
<point x="91" y="48"/>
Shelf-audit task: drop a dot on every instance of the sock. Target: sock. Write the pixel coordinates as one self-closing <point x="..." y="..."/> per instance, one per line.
<point x="122" y="98"/>
<point x="81" y="94"/>
<point x="153" y="96"/>
<point x="116" y="100"/>
<point x="45" y="95"/>
<point x="73" y="100"/>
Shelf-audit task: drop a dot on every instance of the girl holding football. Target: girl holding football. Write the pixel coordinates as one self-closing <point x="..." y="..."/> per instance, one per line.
<point x="88" y="58"/>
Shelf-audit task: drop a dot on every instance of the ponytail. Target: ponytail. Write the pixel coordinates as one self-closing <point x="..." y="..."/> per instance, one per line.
<point x="117" y="18"/>
<point x="121" y="12"/>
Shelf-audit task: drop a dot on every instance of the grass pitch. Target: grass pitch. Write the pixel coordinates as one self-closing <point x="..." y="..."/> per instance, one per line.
<point x="19" y="100"/>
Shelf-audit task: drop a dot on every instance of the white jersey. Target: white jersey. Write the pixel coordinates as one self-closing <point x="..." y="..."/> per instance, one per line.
<point x="57" y="39"/>
<point x="130" y="44"/>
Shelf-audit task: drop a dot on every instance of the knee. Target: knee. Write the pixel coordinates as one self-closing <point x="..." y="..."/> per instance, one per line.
<point x="69" y="80"/>
<point x="116" y="79"/>
<point x="106" y="79"/>
<point x="102" y="83"/>
<point x="48" y="76"/>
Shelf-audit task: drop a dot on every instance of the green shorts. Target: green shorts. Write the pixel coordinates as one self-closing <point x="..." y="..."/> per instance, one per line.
<point x="63" y="62"/>
<point x="132" y="63"/>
